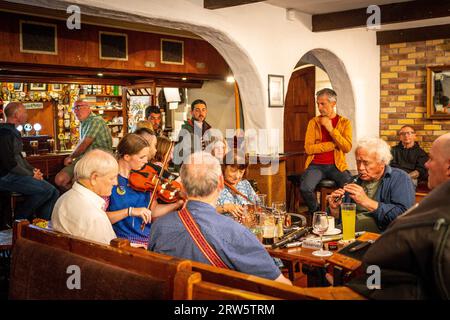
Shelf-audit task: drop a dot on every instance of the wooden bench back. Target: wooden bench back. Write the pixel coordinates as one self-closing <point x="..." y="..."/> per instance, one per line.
<point x="237" y="284"/>
<point x="127" y="265"/>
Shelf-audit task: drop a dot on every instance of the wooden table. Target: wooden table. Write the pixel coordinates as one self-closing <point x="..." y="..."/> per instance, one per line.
<point x="293" y="257"/>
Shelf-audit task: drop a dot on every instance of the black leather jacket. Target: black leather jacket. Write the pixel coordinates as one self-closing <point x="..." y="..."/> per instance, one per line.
<point x="11" y="159"/>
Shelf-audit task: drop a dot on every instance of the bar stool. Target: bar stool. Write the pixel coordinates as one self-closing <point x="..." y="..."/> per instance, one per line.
<point x="323" y="189"/>
<point x="294" y="195"/>
<point x="8" y="202"/>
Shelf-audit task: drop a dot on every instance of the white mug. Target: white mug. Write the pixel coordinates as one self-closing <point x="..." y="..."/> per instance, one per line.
<point x="330" y="223"/>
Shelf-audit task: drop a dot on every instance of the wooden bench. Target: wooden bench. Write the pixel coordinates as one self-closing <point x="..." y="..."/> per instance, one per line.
<point x="217" y="283"/>
<point x="42" y="260"/>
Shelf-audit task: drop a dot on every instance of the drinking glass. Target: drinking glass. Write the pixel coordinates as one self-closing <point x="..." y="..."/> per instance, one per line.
<point x="348" y="213"/>
<point x="34" y="146"/>
<point x="268" y="226"/>
<point x="320" y="226"/>
<point x="51" y="145"/>
<point x="279" y="210"/>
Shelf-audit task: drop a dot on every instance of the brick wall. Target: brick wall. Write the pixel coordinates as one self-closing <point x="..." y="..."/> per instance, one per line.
<point x="404" y="89"/>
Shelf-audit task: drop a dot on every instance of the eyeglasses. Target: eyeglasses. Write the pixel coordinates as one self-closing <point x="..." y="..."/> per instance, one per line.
<point x="409" y="133"/>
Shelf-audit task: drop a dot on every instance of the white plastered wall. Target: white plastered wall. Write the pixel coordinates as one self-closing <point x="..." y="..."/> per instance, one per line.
<point x="257" y="40"/>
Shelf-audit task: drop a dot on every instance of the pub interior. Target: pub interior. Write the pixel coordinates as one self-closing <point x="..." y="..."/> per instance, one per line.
<point x="321" y="133"/>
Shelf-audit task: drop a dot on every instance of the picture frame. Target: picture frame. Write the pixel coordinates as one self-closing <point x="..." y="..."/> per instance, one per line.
<point x="38" y="86"/>
<point x="438" y="92"/>
<point x="56" y="87"/>
<point x="113" y="46"/>
<point x="172" y="51"/>
<point x="276" y="91"/>
<point x="38" y="37"/>
<point x="18" y="86"/>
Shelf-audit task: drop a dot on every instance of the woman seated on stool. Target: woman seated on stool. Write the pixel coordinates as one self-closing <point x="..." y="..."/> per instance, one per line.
<point x="233" y="168"/>
<point x="128" y="207"/>
<point x="79" y="211"/>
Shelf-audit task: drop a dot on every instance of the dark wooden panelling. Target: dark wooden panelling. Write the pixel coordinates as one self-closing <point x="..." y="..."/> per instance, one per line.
<point x="80" y="48"/>
<point x="390" y="13"/>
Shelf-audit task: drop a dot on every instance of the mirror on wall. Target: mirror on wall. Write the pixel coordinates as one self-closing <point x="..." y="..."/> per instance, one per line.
<point x="438" y="92"/>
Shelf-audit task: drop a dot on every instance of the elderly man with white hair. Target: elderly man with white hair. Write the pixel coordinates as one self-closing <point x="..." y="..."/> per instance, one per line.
<point x="414" y="252"/>
<point x="198" y="233"/>
<point x="381" y="193"/>
<point x="79" y="211"/>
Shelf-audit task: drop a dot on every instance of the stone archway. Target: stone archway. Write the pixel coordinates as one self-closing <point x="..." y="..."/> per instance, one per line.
<point x="244" y="71"/>
<point x="341" y="83"/>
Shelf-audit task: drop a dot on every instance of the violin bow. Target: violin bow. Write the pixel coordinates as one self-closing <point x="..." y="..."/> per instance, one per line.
<point x="152" y="198"/>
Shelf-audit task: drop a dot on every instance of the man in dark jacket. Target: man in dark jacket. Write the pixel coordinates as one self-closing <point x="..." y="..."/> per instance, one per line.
<point x="192" y="136"/>
<point x="17" y="175"/>
<point x="414" y="252"/>
<point x="409" y="156"/>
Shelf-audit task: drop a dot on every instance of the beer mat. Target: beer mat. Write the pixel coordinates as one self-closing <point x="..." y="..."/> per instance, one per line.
<point x="357" y="255"/>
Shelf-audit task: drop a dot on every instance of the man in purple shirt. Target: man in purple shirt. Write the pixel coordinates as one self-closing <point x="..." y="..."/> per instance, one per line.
<point x="238" y="248"/>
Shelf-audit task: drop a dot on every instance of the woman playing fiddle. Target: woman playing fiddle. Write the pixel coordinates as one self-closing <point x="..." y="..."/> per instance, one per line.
<point x="233" y="168"/>
<point x="128" y="207"/>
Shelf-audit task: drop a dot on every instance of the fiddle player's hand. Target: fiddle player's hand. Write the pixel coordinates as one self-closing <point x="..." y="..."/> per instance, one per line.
<point x="236" y="210"/>
<point x="67" y="161"/>
<point x="335" y="198"/>
<point x="143" y="213"/>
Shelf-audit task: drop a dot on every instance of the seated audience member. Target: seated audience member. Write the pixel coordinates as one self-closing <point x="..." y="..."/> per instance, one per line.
<point x="328" y="138"/>
<point x="409" y="156"/>
<point x="17" y="175"/>
<point x="218" y="148"/>
<point x="128" y="207"/>
<point x="229" y="202"/>
<point x="414" y="252"/>
<point x="235" y="246"/>
<point x="381" y="193"/>
<point x="143" y="124"/>
<point x="94" y="134"/>
<point x="150" y="137"/>
<point x="79" y="211"/>
<point x="163" y="145"/>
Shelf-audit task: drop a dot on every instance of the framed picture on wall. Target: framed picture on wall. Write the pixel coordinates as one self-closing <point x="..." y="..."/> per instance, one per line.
<point x="18" y="86"/>
<point x="38" y="86"/>
<point x="56" y="87"/>
<point x="172" y="51"/>
<point x="438" y="92"/>
<point x="276" y="91"/>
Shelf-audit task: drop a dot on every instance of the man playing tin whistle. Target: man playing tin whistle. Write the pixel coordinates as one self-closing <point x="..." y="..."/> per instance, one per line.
<point x="381" y="193"/>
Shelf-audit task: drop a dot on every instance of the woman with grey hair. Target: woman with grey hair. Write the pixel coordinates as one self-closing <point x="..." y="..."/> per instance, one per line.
<point x="79" y="211"/>
<point x="381" y="193"/>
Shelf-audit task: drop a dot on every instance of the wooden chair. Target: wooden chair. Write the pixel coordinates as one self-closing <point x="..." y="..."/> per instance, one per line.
<point x="41" y="257"/>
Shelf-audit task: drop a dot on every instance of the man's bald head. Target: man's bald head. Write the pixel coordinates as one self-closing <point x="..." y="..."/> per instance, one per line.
<point x="439" y="163"/>
<point x="15" y="113"/>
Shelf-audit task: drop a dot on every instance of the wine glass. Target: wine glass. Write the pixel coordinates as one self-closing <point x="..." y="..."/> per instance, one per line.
<point x="320" y="226"/>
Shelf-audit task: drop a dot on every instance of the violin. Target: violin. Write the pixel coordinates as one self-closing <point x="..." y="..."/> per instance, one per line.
<point x="255" y="205"/>
<point x="145" y="180"/>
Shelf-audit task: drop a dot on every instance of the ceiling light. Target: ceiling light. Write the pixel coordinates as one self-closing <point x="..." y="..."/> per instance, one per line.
<point x="99" y="74"/>
<point x="184" y="78"/>
<point x="230" y="79"/>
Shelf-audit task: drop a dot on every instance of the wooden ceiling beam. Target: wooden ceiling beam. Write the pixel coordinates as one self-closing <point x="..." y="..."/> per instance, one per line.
<point x="390" y="13"/>
<point x="219" y="4"/>
<point x="413" y="34"/>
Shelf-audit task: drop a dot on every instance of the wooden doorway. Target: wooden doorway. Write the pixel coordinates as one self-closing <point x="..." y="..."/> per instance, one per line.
<point x="299" y="109"/>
